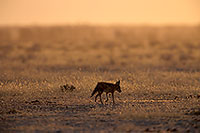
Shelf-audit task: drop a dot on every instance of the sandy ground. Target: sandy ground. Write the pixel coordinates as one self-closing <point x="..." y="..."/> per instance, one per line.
<point x="158" y="69"/>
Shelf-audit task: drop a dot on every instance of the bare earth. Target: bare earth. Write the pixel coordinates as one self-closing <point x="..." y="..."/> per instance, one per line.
<point x="159" y="70"/>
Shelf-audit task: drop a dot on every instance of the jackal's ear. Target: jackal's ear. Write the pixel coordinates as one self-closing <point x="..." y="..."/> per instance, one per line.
<point x="118" y="82"/>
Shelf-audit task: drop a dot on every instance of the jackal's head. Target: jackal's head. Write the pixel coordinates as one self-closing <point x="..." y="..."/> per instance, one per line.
<point x="118" y="86"/>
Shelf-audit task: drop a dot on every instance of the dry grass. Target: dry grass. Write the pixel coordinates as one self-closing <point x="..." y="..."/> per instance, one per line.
<point x="158" y="68"/>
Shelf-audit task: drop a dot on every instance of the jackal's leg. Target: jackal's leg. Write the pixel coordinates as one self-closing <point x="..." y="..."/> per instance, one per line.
<point x="113" y="98"/>
<point x="100" y="98"/>
<point x="106" y="97"/>
<point x="96" y="97"/>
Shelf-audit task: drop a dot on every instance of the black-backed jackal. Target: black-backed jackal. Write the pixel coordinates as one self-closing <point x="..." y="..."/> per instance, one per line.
<point x="107" y="88"/>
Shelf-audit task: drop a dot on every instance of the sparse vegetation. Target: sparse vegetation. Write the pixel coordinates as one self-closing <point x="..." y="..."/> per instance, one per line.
<point x="158" y="68"/>
<point x="67" y="87"/>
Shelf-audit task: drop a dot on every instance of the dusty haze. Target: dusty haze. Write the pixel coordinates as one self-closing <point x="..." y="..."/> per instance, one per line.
<point x="45" y="12"/>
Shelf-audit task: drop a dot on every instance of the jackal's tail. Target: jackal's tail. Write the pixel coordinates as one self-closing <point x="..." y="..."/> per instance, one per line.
<point x="94" y="91"/>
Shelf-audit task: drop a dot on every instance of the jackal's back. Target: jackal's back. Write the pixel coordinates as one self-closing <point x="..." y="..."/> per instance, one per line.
<point x="107" y="87"/>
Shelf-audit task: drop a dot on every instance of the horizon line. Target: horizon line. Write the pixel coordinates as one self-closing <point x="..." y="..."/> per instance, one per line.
<point x="100" y="24"/>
